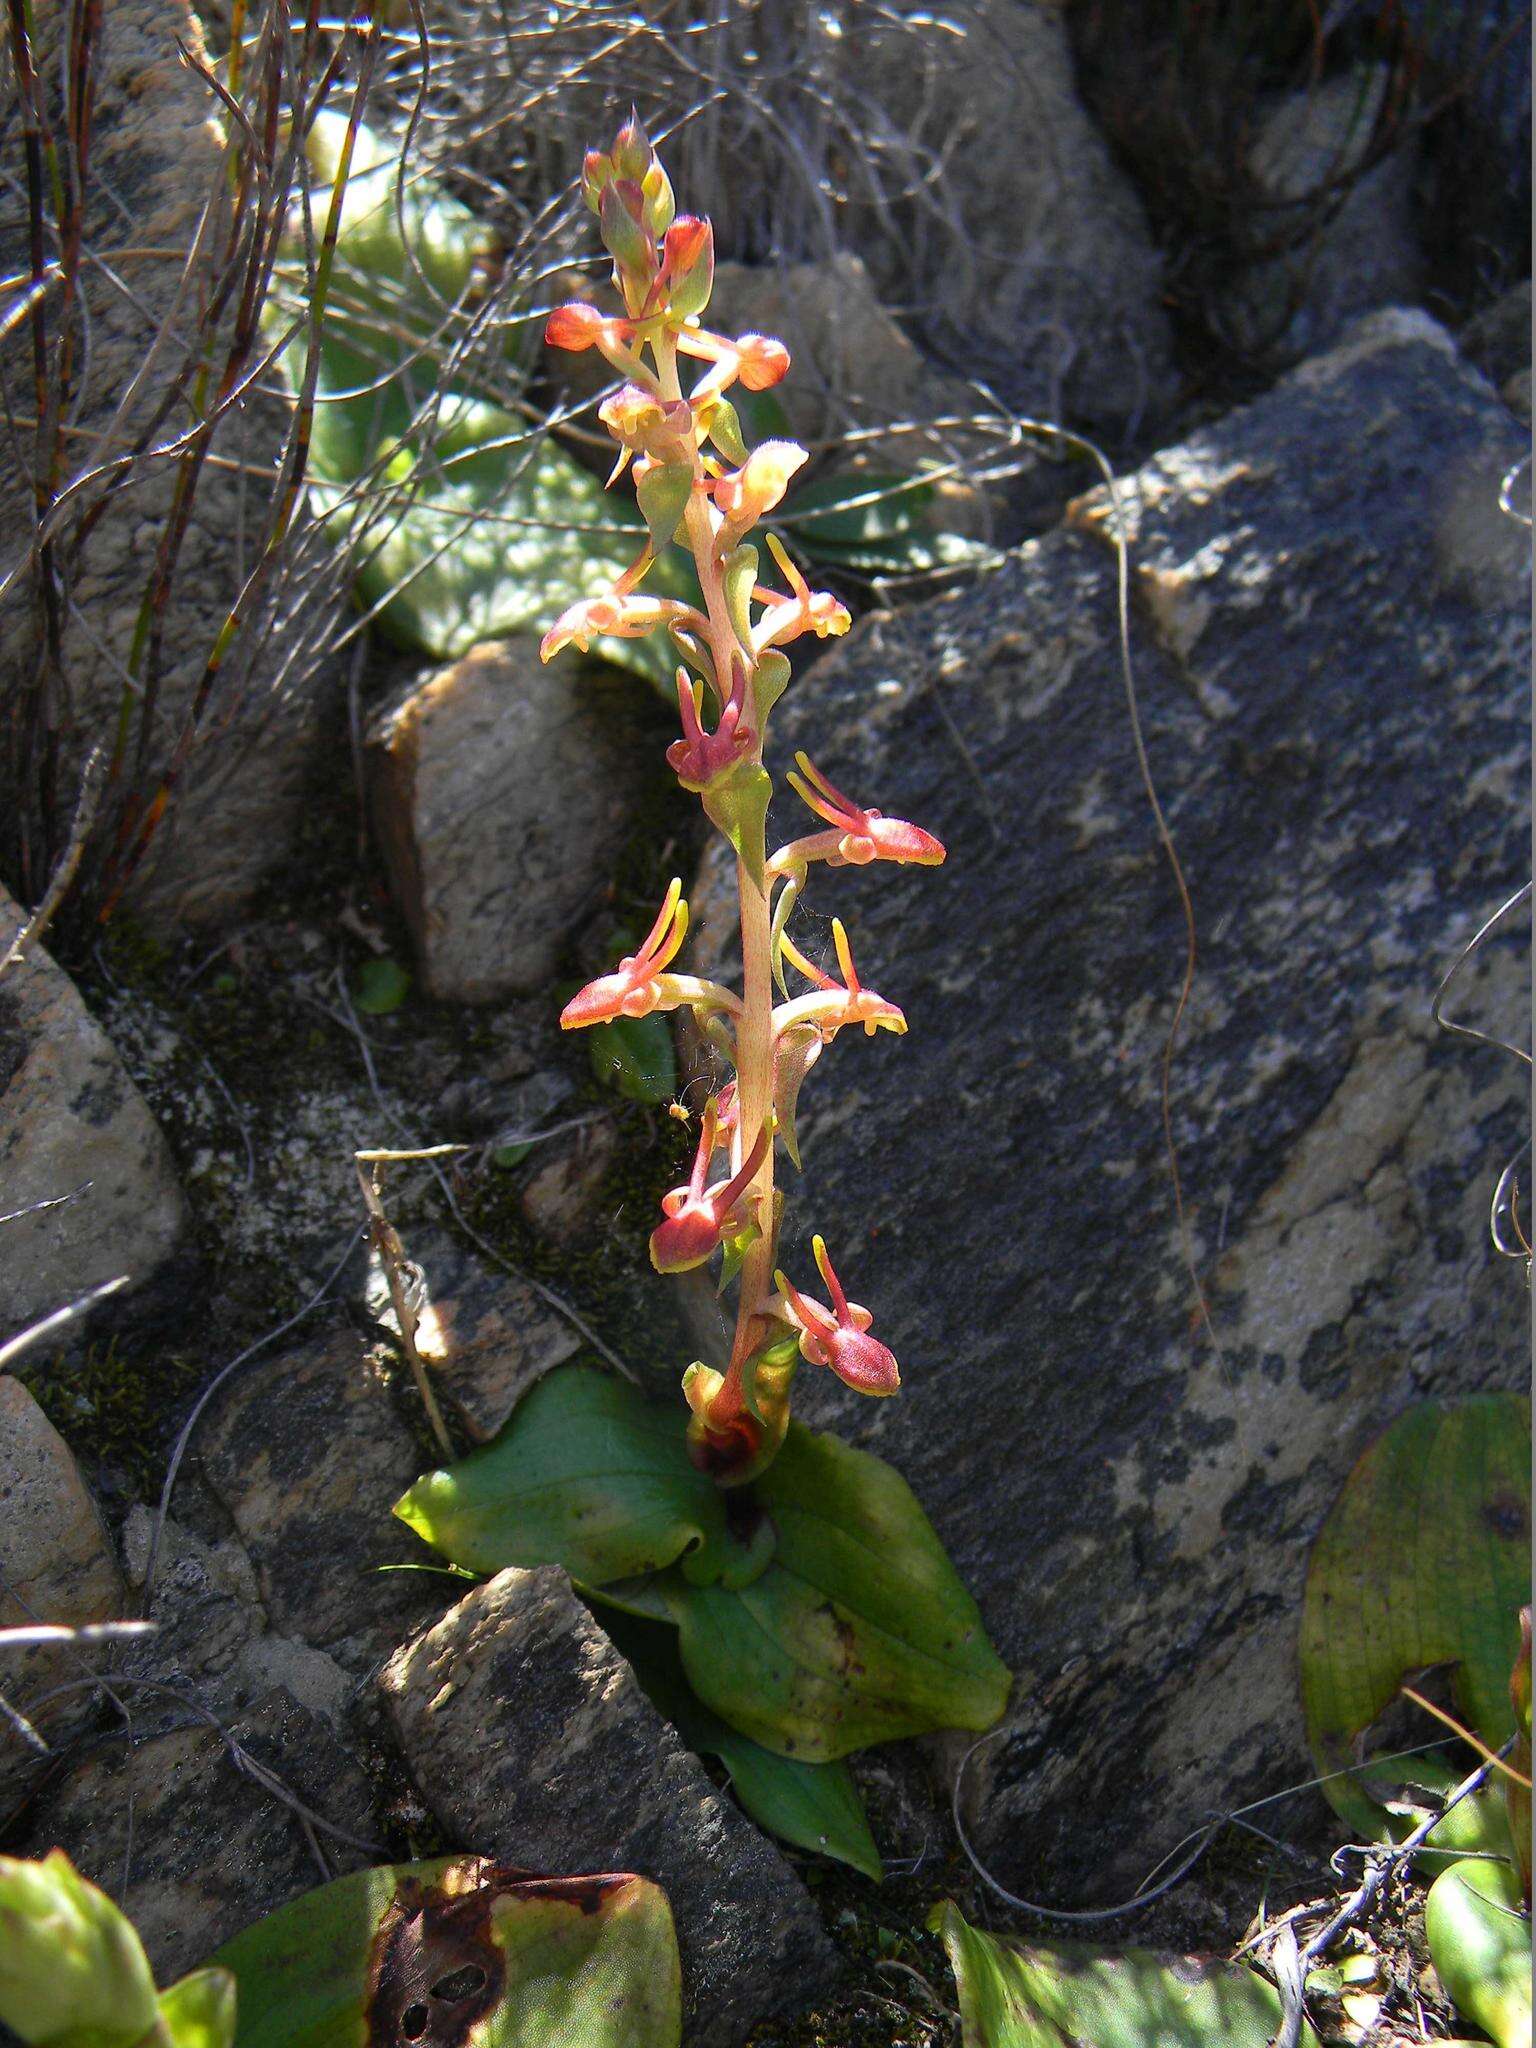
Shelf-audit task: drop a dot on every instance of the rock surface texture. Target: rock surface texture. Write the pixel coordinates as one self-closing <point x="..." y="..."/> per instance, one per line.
<point x="1331" y="645"/>
<point x="156" y="159"/>
<point x="503" y="791"/>
<point x="56" y="1565"/>
<point x="1348" y="256"/>
<point x="1027" y="247"/>
<point x="308" y="1452"/>
<point x="181" y="1832"/>
<point x="72" y="1124"/>
<point x="532" y="1742"/>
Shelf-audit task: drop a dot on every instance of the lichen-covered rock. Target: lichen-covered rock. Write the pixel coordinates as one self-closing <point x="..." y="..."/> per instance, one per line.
<point x="484" y="1335"/>
<point x="192" y="1846"/>
<point x="531" y="1741"/>
<point x="1331" y="642"/>
<point x="156" y="161"/>
<point x="503" y="790"/>
<point x="56" y="1565"/>
<point x="308" y="1452"/>
<point x="72" y="1125"/>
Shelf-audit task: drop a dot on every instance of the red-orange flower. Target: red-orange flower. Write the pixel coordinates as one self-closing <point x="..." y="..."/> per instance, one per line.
<point x="858" y="836"/>
<point x="831" y="1004"/>
<point x="838" y="1337"/>
<point x="695" y="1218"/>
<point x="632" y="989"/>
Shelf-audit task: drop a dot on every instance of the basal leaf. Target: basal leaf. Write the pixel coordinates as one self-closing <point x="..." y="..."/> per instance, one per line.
<point x="1424" y="1560"/>
<point x="587" y="1474"/>
<point x="855" y="511"/>
<point x="814" y="1806"/>
<point x="381" y="987"/>
<point x="859" y="1630"/>
<point x="459" y="1950"/>
<point x="72" y="1969"/>
<point x="1013" y="1996"/>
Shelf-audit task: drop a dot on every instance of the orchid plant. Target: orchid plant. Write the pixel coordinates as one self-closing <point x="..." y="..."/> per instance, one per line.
<point x="779" y="1593"/>
<point x="699" y="485"/>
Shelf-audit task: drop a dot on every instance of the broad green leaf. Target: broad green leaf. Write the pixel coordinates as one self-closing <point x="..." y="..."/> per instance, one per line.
<point x="856" y="511"/>
<point x="1013" y="1996"/>
<point x="72" y="1969"/>
<point x="874" y="524"/>
<point x="461" y="1950"/>
<point x="199" y="2012"/>
<point x="382" y="986"/>
<point x="814" y="1806"/>
<point x="1423" y="1560"/>
<point x="1479" y="1935"/>
<point x="635" y="1056"/>
<point x="859" y="1631"/>
<point x="587" y="1474"/>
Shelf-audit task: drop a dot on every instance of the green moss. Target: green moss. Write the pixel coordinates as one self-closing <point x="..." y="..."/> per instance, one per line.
<point x="114" y="1404"/>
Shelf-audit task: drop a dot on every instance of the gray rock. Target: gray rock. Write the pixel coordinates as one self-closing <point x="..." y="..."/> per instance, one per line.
<point x="1355" y="245"/>
<point x="70" y="1115"/>
<point x="56" y="1565"/>
<point x="1331" y="642"/>
<point x="531" y="1741"/>
<point x="308" y="1452"/>
<point x="157" y="156"/>
<point x="1498" y="339"/>
<point x="853" y="371"/>
<point x="946" y="149"/>
<point x="502" y="791"/>
<point x="485" y="1335"/>
<point x="205" y="1604"/>
<point x="1023" y="245"/>
<point x="192" y="1846"/>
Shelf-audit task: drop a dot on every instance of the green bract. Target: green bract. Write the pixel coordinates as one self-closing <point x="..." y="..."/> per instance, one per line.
<point x="822" y="1616"/>
<point x="1013" y="1996"/>
<point x="460" y="1949"/>
<point x="1425" y="1559"/>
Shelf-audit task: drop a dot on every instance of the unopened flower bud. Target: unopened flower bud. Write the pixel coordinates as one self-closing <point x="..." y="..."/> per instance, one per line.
<point x="619" y="212"/>
<point x="688" y="265"/>
<point x="764" y="361"/>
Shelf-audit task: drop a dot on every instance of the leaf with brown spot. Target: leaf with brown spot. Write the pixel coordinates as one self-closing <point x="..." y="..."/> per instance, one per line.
<point x="461" y="1953"/>
<point x="1424" y="1560"/>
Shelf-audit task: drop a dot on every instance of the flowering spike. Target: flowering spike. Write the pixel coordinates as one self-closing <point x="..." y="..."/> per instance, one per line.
<point x="838" y="1337"/>
<point x="702" y="486"/>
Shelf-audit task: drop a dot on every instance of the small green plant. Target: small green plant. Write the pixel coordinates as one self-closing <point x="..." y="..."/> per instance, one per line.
<point x="811" y="1605"/>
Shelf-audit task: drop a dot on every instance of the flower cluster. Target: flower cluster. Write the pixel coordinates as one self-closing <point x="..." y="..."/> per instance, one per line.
<point x="700" y="487"/>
